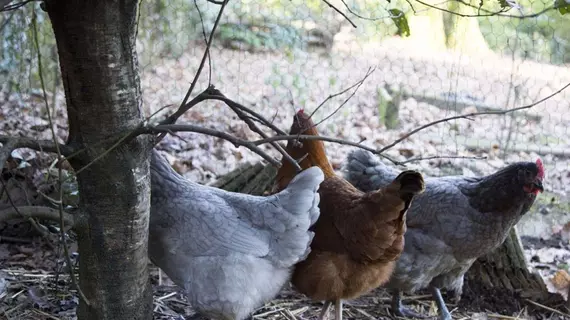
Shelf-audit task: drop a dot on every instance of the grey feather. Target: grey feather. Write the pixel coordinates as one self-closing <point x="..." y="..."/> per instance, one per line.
<point x="456" y="220"/>
<point x="230" y="251"/>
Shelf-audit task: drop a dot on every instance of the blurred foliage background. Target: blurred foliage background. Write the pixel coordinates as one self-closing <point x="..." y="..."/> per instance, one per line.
<point x="167" y="28"/>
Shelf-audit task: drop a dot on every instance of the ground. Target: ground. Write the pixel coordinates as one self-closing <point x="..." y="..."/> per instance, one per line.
<point x="34" y="283"/>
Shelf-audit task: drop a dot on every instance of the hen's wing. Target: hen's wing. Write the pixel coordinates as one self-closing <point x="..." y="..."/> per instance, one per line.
<point x="194" y="220"/>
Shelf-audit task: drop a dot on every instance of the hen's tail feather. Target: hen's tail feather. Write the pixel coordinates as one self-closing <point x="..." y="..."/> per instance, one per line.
<point x="301" y="200"/>
<point x="301" y="195"/>
<point x="366" y="172"/>
<point x="411" y="182"/>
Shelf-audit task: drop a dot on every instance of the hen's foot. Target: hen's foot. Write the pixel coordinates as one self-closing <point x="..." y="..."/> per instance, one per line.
<point x="408" y="313"/>
<point x="445" y="315"/>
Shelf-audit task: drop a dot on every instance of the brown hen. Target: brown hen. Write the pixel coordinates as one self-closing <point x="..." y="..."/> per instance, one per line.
<point x="358" y="236"/>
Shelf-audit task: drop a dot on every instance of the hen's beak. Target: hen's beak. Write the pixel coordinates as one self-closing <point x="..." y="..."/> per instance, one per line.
<point x="538" y="184"/>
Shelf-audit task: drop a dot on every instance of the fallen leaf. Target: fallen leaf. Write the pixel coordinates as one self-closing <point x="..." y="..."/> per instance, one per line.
<point x="559" y="283"/>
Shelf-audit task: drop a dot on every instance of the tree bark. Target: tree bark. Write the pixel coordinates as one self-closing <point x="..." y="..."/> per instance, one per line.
<point x="98" y="59"/>
<point x="506" y="267"/>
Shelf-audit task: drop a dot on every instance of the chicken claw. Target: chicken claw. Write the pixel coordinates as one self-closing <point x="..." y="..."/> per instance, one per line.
<point x="400" y="311"/>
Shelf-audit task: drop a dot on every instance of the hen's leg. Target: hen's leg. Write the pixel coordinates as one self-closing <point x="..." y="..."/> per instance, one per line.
<point x="325" y="310"/>
<point x="399" y="310"/>
<point x="443" y="312"/>
<point x="338" y="309"/>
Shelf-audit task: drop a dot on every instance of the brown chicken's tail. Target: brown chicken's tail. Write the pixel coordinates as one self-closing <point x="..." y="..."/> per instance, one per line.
<point x="409" y="183"/>
<point x="312" y="152"/>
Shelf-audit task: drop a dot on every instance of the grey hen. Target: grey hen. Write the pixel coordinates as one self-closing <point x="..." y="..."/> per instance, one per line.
<point x="230" y="252"/>
<point x="456" y="220"/>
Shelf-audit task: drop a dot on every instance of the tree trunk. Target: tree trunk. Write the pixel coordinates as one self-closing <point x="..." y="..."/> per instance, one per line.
<point x="463" y="33"/>
<point x="506" y="267"/>
<point x="98" y="59"/>
<point x="426" y="28"/>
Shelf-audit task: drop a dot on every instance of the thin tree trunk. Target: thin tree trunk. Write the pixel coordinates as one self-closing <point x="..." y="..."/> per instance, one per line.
<point x="96" y="46"/>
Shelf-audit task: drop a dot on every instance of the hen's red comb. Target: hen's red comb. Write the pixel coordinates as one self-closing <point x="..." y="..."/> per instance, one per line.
<point x="301" y="111"/>
<point x="540" y="168"/>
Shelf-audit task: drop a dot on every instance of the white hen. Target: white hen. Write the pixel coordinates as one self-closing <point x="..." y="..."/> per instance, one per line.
<point x="230" y="252"/>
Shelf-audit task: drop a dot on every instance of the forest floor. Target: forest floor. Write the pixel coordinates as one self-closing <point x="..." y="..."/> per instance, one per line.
<point x="34" y="284"/>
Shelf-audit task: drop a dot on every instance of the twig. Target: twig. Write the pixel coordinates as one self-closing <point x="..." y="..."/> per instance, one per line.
<point x="488" y="12"/>
<point x="39" y="145"/>
<point x="566" y="315"/>
<point x="15" y="5"/>
<point x="363" y="17"/>
<point x="37" y="212"/>
<point x="440" y="157"/>
<point x="341" y="13"/>
<point x="368" y="73"/>
<point x="14" y="239"/>
<point x="205" y="55"/>
<point x="5" y="151"/>
<point x="15" y="213"/>
<point x="59" y="157"/>
<point x="167" y="128"/>
<point x="205" y="40"/>
<point x="458" y="13"/>
<point x="468" y="115"/>
<point x="357" y="84"/>
<point x="253" y="145"/>
<point x="253" y="127"/>
<point x="500" y="14"/>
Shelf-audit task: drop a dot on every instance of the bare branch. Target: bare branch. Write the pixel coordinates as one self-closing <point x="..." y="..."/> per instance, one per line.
<point x="500" y="14"/>
<point x="205" y="39"/>
<point x="253" y="127"/>
<point x="59" y="158"/>
<point x="357" y="84"/>
<point x="5" y="152"/>
<point x="167" y="128"/>
<point x="341" y="13"/>
<point x="5" y="6"/>
<point x="488" y="13"/>
<point x="356" y="14"/>
<point x="253" y="145"/>
<point x="205" y="55"/>
<point x="440" y="157"/>
<point x="37" y="212"/>
<point x="468" y="115"/>
<point x="38" y="145"/>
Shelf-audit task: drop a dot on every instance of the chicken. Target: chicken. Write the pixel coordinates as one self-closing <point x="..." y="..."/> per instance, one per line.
<point x="230" y="252"/>
<point x="358" y="236"/>
<point x="455" y="221"/>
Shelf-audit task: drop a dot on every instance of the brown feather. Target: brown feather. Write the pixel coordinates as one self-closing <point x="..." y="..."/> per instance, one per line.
<point x="358" y="236"/>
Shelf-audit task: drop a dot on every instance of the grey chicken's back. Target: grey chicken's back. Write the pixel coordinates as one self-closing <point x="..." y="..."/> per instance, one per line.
<point x="445" y="232"/>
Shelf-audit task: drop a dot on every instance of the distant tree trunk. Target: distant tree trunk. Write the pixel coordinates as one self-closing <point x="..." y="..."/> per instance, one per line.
<point x="463" y="33"/>
<point x="426" y="27"/>
<point x="96" y="46"/>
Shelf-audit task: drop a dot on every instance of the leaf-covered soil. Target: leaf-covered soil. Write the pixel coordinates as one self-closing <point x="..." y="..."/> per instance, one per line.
<point x="34" y="283"/>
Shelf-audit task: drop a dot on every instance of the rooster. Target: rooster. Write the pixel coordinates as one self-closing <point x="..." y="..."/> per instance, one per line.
<point x="230" y="252"/>
<point x="358" y="236"/>
<point x="455" y="221"/>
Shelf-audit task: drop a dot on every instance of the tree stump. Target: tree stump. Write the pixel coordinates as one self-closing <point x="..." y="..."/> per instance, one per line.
<point x="506" y="267"/>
